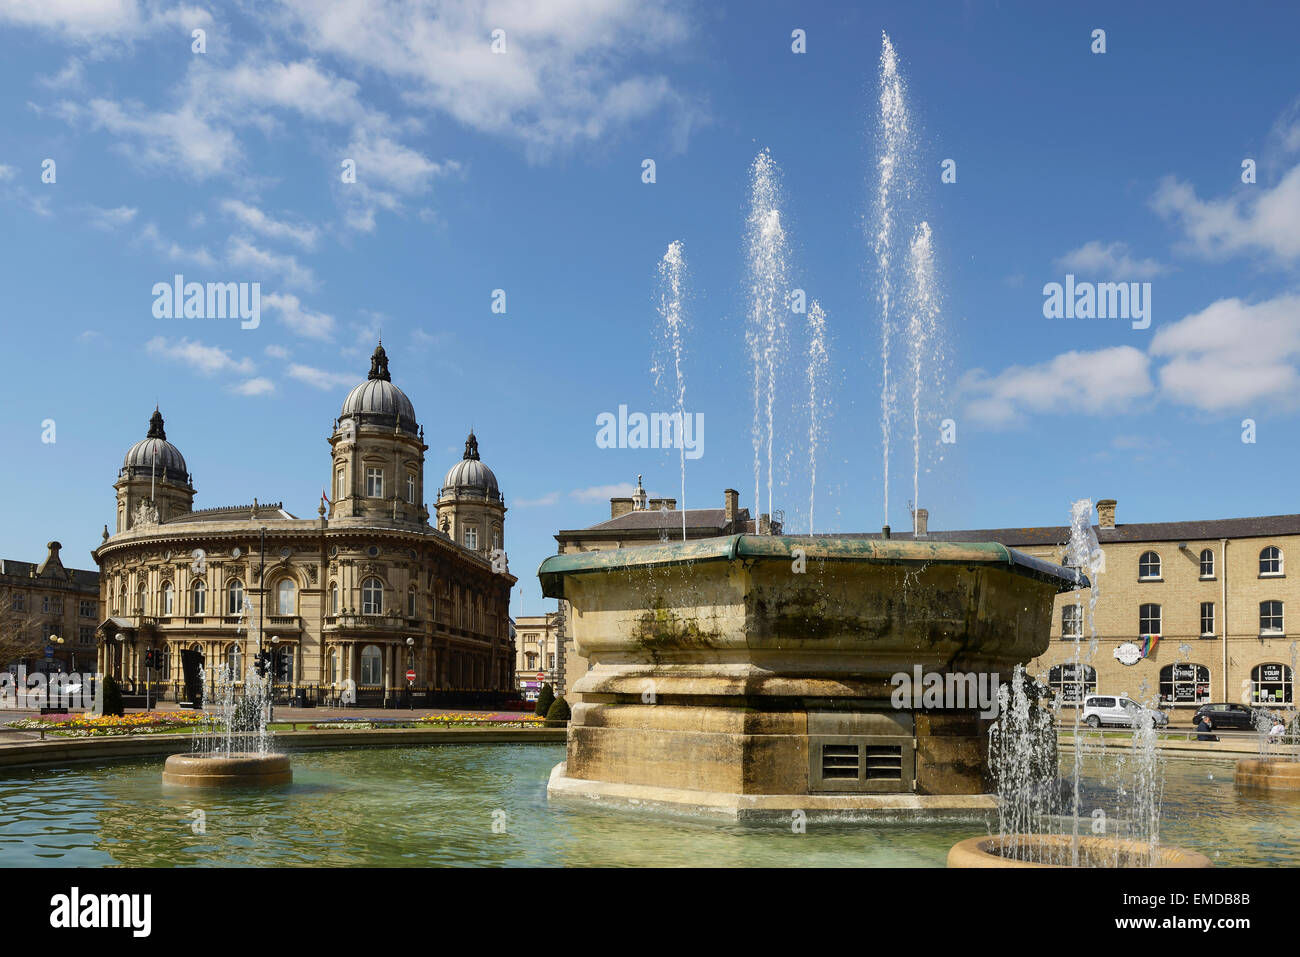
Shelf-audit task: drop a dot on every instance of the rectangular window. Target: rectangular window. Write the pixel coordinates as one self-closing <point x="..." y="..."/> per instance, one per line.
<point x="374" y="483"/>
<point x="45" y="603"/>
<point x="1149" y="620"/>
<point x="1071" y="622"/>
<point x="1207" y="564"/>
<point x="340" y="486"/>
<point x="552" y="665"/>
<point x="19" y="603"/>
<point x="1270" y="617"/>
<point x="410" y="489"/>
<point x="57" y="604"/>
<point x="1207" y="619"/>
<point x="87" y="609"/>
<point x="471" y="538"/>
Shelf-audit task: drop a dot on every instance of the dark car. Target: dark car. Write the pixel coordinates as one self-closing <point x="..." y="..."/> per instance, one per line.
<point x="1241" y="716"/>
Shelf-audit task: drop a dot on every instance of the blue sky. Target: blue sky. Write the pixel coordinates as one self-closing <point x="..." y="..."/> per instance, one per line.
<point x="522" y="171"/>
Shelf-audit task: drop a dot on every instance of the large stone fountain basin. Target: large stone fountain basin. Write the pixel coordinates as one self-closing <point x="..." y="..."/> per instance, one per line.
<point x="1277" y="774"/>
<point x="729" y="666"/>
<point x="237" y="769"/>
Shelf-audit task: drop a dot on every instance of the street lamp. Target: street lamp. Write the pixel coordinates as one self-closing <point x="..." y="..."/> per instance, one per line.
<point x="410" y="698"/>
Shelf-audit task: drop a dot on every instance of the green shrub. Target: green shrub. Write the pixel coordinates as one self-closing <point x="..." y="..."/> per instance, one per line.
<point x="558" y="714"/>
<point x="112" y="697"/>
<point x="544" y="699"/>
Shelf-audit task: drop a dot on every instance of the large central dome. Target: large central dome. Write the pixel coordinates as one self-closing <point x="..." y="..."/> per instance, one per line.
<point x="378" y="400"/>
<point x="155" y="456"/>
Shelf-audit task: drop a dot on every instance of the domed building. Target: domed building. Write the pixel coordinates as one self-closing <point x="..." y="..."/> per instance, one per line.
<point x="357" y="596"/>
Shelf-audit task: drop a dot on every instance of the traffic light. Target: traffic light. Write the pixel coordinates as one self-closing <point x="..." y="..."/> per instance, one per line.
<point x="260" y="661"/>
<point x="151" y="659"/>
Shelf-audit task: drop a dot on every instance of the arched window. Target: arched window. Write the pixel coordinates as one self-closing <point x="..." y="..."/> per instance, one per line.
<point x="199" y="598"/>
<point x="1149" y="619"/>
<point x="234" y="660"/>
<point x="285" y="594"/>
<point x="410" y="602"/>
<point x="1148" y="566"/>
<point x="1270" y="618"/>
<point x="168" y="602"/>
<point x="1270" y="561"/>
<point x="372" y="669"/>
<point x="410" y="487"/>
<point x="1185" y="684"/>
<point x="1271" y="684"/>
<point x="235" y="597"/>
<point x="372" y="597"/>
<point x="334" y="598"/>
<point x="1207" y="563"/>
<point x="139" y="599"/>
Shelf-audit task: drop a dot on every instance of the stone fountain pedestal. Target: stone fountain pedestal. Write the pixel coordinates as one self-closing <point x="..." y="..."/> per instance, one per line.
<point x="237" y="769"/>
<point x="753" y="677"/>
<point x="1276" y="774"/>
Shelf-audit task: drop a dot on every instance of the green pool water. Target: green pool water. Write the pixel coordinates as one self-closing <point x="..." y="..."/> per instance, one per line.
<point x="436" y="806"/>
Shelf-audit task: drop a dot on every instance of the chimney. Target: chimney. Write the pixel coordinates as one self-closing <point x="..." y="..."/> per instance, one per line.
<point x="53" y="550"/>
<point x="765" y="524"/>
<point x="921" y="523"/>
<point x="1106" y="513"/>
<point x="619" y="506"/>
<point x="730" y="505"/>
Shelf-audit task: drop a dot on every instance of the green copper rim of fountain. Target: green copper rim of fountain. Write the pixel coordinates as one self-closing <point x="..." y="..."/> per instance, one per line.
<point x="553" y="570"/>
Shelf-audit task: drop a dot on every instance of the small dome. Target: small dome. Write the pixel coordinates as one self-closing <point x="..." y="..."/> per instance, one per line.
<point x="470" y="474"/>
<point x="377" y="396"/>
<point x="154" y="455"/>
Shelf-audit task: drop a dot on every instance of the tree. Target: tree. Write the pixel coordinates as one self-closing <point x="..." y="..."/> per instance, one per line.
<point x="112" y="697"/>
<point x="20" y="628"/>
<point x="544" y="699"/>
<point x="558" y="714"/>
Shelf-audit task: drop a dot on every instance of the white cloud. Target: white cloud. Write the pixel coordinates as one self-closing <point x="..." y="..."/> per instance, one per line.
<point x="208" y="360"/>
<point x="1232" y="354"/>
<point x="255" y="387"/>
<point x="173" y="251"/>
<point x="301" y="321"/>
<point x="1098" y="382"/>
<point x="87" y="20"/>
<point x="277" y="352"/>
<point x="7" y="172"/>
<point x="71" y="77"/>
<point x="321" y="379"/>
<point x="302" y="87"/>
<point x="598" y="493"/>
<point x="564" y="79"/>
<point x="110" y="219"/>
<point x="243" y="254"/>
<point x="185" y="140"/>
<point x="259" y="222"/>
<point x="1108" y="261"/>
<point x="1253" y="219"/>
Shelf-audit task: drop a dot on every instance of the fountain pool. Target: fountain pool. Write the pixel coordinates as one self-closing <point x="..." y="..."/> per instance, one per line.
<point x="434" y="806"/>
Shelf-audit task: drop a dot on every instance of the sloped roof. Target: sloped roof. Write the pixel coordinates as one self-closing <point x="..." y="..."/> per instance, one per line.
<point x="654" y="519"/>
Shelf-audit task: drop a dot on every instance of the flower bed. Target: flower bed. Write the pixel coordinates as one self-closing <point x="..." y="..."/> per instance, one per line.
<point x="140" y="722"/>
<point x="463" y="720"/>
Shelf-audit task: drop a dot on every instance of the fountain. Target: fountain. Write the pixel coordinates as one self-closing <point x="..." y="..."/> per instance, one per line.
<point x="240" y="754"/>
<point x="753" y="677"/>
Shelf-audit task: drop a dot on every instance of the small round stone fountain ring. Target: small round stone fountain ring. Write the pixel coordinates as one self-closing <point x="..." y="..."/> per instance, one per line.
<point x="1053" y="850"/>
<point x="236" y="769"/>
<point x="1275" y="774"/>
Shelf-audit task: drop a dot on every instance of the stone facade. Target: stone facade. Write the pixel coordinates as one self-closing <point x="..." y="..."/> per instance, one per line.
<point x="47" y="604"/>
<point x="358" y="595"/>
<point x="1205" y="588"/>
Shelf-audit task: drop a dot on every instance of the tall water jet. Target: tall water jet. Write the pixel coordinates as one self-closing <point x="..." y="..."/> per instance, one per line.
<point x="922" y="329"/>
<point x="817" y="361"/>
<point x="894" y="178"/>
<point x="672" y="312"/>
<point x="767" y="255"/>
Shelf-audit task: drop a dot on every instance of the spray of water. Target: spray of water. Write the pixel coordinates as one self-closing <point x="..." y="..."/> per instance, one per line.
<point x="671" y="310"/>
<point x="817" y="362"/>
<point x="922" y="328"/>
<point x="893" y="179"/>
<point x="767" y="254"/>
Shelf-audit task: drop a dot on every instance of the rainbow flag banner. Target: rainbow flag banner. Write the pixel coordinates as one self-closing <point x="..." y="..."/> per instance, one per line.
<point x="1149" y="643"/>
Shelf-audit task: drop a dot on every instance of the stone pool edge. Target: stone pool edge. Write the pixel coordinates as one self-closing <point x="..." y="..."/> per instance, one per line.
<point x="57" y="751"/>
